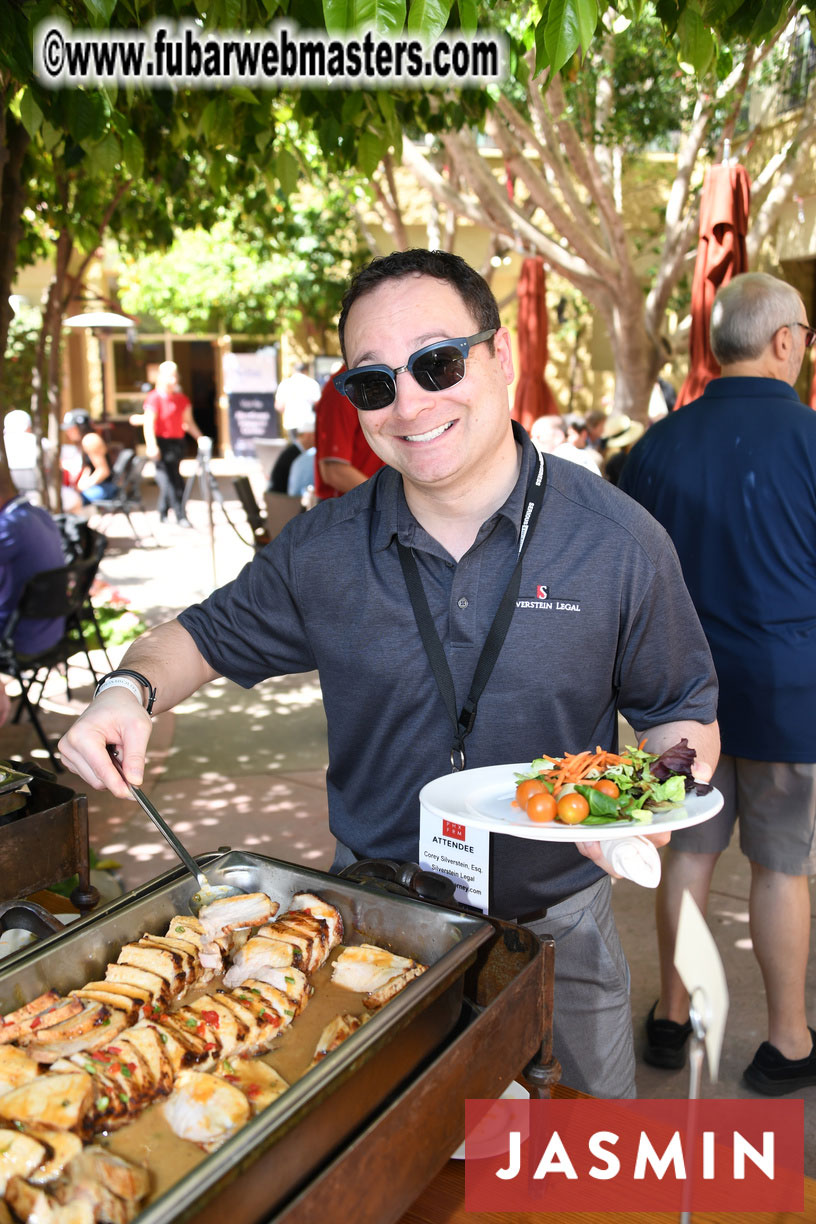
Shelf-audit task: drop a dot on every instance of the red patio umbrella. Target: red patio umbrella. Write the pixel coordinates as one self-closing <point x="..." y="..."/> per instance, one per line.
<point x="721" y="254"/>
<point x="533" y="397"/>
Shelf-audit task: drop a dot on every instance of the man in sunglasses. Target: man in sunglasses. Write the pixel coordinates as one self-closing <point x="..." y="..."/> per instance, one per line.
<point x="732" y="477"/>
<point x="471" y="604"/>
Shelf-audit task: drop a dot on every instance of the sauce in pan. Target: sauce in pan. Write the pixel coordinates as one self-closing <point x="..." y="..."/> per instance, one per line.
<point x="150" y="1142"/>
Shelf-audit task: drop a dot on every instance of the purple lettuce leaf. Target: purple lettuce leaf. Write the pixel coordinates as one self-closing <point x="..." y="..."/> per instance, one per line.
<point x="679" y="759"/>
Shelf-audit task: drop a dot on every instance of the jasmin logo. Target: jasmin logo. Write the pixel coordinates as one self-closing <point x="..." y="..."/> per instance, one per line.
<point x="634" y="1156"/>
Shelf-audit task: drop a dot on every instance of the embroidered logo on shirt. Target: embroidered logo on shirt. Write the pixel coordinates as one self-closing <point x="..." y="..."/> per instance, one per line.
<point x="543" y="602"/>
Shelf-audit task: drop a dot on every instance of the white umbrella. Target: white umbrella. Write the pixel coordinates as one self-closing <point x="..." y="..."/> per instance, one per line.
<point x="99" y="318"/>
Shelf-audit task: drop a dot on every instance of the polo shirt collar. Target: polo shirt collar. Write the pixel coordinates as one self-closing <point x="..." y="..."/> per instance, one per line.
<point x="394" y="518"/>
<point x="748" y="387"/>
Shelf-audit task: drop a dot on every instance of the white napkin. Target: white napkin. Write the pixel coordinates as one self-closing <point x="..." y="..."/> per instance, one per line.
<point x="636" y="859"/>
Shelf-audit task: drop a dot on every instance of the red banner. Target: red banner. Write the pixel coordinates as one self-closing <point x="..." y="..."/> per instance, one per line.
<point x="649" y="1155"/>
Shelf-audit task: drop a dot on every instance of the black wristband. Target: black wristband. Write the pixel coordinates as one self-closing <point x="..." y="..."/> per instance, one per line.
<point x="134" y="675"/>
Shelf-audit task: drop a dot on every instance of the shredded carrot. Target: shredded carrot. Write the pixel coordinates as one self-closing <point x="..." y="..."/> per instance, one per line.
<point x="573" y="767"/>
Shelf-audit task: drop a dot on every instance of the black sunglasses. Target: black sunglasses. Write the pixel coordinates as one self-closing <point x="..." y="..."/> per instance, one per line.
<point x="435" y="367"/>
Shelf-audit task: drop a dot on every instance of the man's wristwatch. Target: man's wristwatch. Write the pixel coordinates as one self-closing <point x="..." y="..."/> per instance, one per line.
<point x="125" y="677"/>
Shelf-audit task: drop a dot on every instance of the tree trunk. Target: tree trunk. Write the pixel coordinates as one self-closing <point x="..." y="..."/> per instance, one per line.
<point x="636" y="356"/>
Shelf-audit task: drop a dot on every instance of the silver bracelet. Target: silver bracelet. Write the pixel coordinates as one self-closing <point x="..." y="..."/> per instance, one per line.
<point x="123" y="682"/>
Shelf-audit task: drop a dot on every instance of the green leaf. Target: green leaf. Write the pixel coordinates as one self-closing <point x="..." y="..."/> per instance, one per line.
<point x="428" y="17"/>
<point x="86" y="114"/>
<point x="288" y="171"/>
<point x="100" y="11"/>
<point x="696" y="43"/>
<point x="241" y="93"/>
<point x="370" y="152"/>
<point x="104" y="157"/>
<point x="209" y="118"/>
<point x="133" y="153"/>
<point x="587" y="12"/>
<point x="468" y="15"/>
<point x="50" y="137"/>
<point x="386" y="16"/>
<point x="31" y="116"/>
<point x="262" y="139"/>
<point x="561" y="33"/>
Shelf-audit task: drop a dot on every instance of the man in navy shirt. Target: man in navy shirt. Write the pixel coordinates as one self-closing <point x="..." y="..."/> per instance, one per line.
<point x="29" y="543"/>
<point x="602" y="622"/>
<point x="732" y="478"/>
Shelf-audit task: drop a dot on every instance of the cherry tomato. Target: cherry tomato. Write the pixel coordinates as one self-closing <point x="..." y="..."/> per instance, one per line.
<point x="526" y="789"/>
<point x="541" y="806"/>
<point x="572" y="808"/>
<point x="607" y="787"/>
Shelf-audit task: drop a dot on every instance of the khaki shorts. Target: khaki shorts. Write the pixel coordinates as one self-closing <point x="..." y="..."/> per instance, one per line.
<point x="775" y="805"/>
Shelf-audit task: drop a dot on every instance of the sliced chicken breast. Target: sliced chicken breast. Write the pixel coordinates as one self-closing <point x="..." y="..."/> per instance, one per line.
<point x="236" y="913"/>
<point x="205" y="1108"/>
<point x="334" y="1034"/>
<point x="312" y="904"/>
<point x="16" y="1067"/>
<point x="19" y="1156"/>
<point x="259" y="1082"/>
<point x="59" y="1101"/>
<point x="366" y="968"/>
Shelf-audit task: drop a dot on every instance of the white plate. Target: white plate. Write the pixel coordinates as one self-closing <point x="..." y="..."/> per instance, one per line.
<point x="490" y="1137"/>
<point x="483" y="799"/>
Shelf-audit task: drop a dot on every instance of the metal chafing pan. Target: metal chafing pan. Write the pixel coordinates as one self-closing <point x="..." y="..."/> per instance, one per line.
<point x="318" y="1114"/>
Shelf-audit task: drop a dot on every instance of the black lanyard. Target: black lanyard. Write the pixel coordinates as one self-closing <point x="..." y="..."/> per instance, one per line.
<point x="463" y="722"/>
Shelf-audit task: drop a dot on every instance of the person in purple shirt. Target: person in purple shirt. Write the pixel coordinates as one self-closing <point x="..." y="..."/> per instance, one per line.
<point x="29" y="543"/>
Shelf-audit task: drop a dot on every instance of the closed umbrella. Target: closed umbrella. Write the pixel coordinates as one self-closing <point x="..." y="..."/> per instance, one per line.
<point x="721" y="254"/>
<point x="533" y="397"/>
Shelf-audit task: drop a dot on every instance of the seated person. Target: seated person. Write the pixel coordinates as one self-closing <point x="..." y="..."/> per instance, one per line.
<point x="302" y="472"/>
<point x="294" y="457"/>
<point x="30" y="542"/>
<point x="95" y="481"/>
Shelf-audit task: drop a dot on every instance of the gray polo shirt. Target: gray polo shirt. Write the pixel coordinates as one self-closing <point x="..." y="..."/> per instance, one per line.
<point x="603" y="622"/>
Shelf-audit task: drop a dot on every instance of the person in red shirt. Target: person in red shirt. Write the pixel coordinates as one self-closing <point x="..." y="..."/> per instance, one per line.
<point x="168" y="415"/>
<point x="343" y="459"/>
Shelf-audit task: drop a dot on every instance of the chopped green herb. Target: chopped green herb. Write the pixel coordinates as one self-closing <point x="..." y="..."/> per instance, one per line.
<point x="163" y="1037"/>
<point x="124" y="1098"/>
<point x="102" y="1103"/>
<point x="287" y="1012"/>
<point x="290" y="980"/>
<point x="126" y="1072"/>
<point x="179" y="930"/>
<point x="191" y="1023"/>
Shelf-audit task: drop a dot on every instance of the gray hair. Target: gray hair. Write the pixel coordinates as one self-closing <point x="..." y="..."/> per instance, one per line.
<point x="747" y="313"/>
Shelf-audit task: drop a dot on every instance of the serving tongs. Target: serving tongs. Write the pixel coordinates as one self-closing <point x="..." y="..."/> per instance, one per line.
<point x="207" y="892"/>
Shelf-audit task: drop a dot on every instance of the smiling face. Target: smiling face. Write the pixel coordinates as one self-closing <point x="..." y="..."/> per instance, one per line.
<point x="443" y="442"/>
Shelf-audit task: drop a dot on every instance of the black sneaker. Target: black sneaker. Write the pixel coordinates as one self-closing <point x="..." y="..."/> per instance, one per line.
<point x="665" y="1042"/>
<point x="772" y="1074"/>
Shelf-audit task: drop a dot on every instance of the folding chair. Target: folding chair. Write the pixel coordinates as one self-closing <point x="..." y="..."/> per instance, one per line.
<point x="52" y="593"/>
<point x="127" y="474"/>
<point x="85" y="547"/>
<point x="88" y="570"/>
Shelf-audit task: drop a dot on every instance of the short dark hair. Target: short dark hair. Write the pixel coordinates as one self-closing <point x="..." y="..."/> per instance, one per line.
<point x="80" y="418"/>
<point x="472" y="288"/>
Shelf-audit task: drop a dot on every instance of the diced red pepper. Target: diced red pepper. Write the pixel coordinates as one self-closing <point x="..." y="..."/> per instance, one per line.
<point x="212" y="1018"/>
<point x="36" y="1022"/>
<point x="252" y="1091"/>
